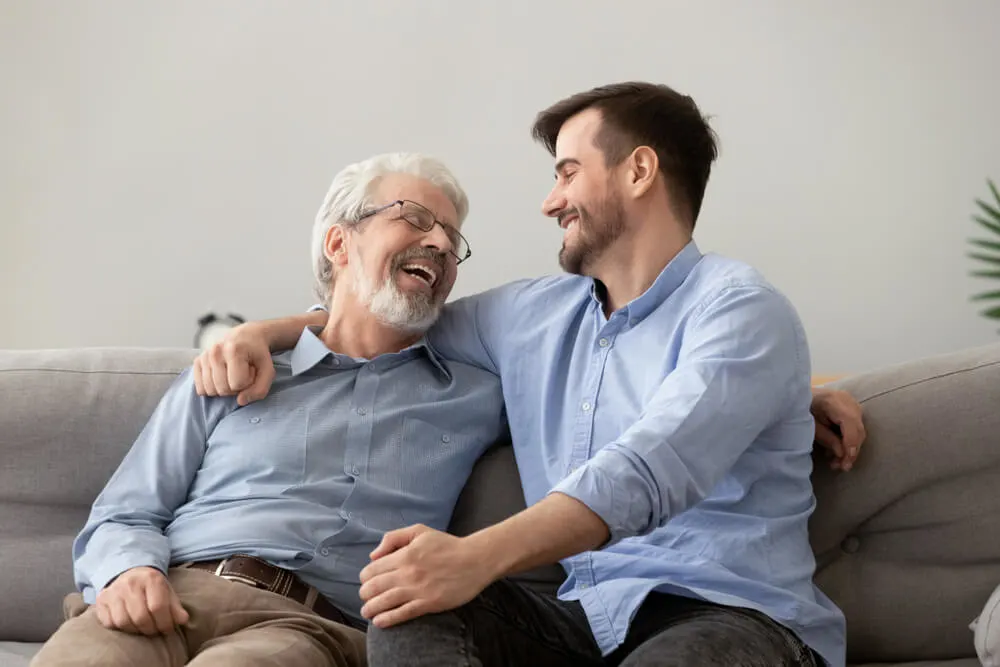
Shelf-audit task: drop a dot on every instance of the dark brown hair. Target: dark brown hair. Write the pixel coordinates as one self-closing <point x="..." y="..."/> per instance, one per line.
<point x="637" y="114"/>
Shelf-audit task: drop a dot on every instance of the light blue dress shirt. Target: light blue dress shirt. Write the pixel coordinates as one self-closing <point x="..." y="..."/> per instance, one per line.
<point x="683" y="421"/>
<point x="310" y="478"/>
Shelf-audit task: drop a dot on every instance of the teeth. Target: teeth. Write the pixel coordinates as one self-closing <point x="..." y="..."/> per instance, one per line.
<point x="424" y="273"/>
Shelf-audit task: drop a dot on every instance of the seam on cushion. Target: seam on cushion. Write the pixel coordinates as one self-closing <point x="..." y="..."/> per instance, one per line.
<point x="930" y="379"/>
<point x="87" y="372"/>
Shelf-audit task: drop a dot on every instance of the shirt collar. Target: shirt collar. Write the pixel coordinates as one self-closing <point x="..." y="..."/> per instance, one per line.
<point x="310" y="350"/>
<point x="671" y="277"/>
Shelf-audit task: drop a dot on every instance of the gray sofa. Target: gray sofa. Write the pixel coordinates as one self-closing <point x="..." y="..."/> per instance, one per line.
<point x="908" y="543"/>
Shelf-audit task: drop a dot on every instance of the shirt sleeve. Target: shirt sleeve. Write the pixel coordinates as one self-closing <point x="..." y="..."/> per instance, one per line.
<point x="126" y="523"/>
<point x="743" y="364"/>
<point x="470" y="329"/>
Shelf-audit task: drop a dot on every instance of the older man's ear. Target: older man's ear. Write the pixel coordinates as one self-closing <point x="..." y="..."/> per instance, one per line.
<point x="840" y="427"/>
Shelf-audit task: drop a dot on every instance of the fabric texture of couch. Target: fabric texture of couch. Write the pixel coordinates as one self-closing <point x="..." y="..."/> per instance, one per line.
<point x="908" y="543"/>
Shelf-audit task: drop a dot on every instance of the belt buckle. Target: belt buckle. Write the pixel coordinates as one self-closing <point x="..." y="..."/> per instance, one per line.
<point x="233" y="577"/>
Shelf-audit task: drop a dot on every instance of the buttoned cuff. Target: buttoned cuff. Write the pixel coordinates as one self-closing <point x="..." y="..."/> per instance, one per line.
<point x="114" y="566"/>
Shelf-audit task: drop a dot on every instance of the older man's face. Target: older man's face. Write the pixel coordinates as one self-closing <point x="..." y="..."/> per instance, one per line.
<point x="402" y="274"/>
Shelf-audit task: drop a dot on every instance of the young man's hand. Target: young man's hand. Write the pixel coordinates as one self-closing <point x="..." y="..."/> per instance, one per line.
<point x="238" y="364"/>
<point x="419" y="570"/>
<point x="840" y="427"/>
<point x="140" y="601"/>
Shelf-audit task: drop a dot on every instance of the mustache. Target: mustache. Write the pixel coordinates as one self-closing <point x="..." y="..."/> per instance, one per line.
<point x="419" y="252"/>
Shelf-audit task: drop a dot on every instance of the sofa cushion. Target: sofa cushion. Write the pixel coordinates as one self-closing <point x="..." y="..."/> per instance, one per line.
<point x="908" y="543"/>
<point x="17" y="654"/>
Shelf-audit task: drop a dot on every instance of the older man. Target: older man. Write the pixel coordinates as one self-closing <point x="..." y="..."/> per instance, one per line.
<point x="659" y="403"/>
<point x="235" y="535"/>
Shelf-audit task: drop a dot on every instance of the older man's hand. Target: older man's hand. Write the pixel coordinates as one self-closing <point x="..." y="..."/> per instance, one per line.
<point x="140" y="601"/>
<point x="419" y="570"/>
<point x="840" y="427"/>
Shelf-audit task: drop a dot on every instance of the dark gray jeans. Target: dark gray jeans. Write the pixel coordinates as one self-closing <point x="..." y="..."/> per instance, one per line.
<point x="509" y="625"/>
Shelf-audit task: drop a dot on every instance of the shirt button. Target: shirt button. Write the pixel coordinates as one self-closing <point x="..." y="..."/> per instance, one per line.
<point x="372" y="367"/>
<point x="445" y="438"/>
<point x="633" y="321"/>
<point x="255" y="420"/>
<point x="336" y="362"/>
<point x="603" y="342"/>
<point x="324" y="551"/>
<point x="362" y="411"/>
<point x="585" y="406"/>
<point x="583" y="586"/>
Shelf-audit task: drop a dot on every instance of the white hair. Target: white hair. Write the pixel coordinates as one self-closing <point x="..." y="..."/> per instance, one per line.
<point x="350" y="196"/>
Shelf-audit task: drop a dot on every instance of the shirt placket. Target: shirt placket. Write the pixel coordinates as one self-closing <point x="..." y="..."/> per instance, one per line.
<point x="361" y="427"/>
<point x="583" y="440"/>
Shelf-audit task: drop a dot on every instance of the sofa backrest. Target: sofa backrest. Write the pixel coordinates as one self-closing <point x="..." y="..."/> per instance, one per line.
<point x="908" y="542"/>
<point x="67" y="418"/>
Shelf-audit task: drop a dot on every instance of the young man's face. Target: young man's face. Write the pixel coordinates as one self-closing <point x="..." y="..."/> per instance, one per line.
<point x="401" y="273"/>
<point x="585" y="199"/>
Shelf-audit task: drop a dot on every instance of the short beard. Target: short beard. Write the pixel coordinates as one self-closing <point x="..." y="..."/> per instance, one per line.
<point x="595" y="233"/>
<point x="410" y="313"/>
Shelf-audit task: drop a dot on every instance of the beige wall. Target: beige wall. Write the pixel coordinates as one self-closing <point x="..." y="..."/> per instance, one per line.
<point x="161" y="159"/>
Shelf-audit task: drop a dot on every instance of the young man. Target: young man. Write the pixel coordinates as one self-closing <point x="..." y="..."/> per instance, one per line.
<point x="659" y="405"/>
<point x="235" y="535"/>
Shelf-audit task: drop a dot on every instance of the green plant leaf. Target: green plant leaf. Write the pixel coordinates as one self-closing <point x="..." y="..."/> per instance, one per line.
<point x="992" y="226"/>
<point x="985" y="274"/>
<point x="989" y="245"/>
<point x="987" y="296"/>
<point x="991" y="211"/>
<point x="993" y="188"/>
<point x="992" y="259"/>
<point x="992" y="313"/>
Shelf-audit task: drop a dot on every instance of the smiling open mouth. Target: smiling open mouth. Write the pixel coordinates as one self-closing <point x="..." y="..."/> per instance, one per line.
<point x="421" y="272"/>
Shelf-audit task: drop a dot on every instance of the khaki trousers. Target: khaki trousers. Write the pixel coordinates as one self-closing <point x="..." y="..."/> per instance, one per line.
<point x="231" y="624"/>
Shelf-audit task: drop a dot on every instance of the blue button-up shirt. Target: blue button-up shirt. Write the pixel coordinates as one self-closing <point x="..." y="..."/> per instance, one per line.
<point x="682" y="420"/>
<point x="310" y="478"/>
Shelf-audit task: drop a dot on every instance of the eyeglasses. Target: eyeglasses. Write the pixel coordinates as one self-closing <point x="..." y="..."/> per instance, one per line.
<point x="421" y="218"/>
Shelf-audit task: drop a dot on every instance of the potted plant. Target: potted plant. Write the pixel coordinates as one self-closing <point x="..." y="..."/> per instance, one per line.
<point x="988" y="251"/>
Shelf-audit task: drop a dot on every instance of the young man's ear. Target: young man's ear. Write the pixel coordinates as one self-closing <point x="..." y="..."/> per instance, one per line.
<point x="643" y="165"/>
<point x="334" y="246"/>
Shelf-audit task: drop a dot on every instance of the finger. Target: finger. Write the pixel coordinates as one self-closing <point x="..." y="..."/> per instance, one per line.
<point x="196" y="371"/>
<point x="829" y="440"/>
<point x="853" y="431"/>
<point x="120" y="619"/>
<point x="219" y="375"/>
<point x="262" y="379"/>
<point x="138" y="611"/>
<point x="387" y="601"/>
<point x="206" y="374"/>
<point x="395" y="540"/>
<point x="158" y="604"/>
<point x="104" y="616"/>
<point x="378" y="585"/>
<point x="177" y="610"/>
<point x="407" y="612"/>
<point x="239" y="374"/>
<point x="380" y="567"/>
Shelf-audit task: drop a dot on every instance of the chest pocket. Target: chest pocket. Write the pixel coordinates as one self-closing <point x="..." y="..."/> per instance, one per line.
<point x="434" y="464"/>
<point x="258" y="450"/>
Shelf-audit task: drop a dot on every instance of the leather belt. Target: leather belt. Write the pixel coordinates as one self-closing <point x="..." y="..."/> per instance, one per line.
<point x="264" y="576"/>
